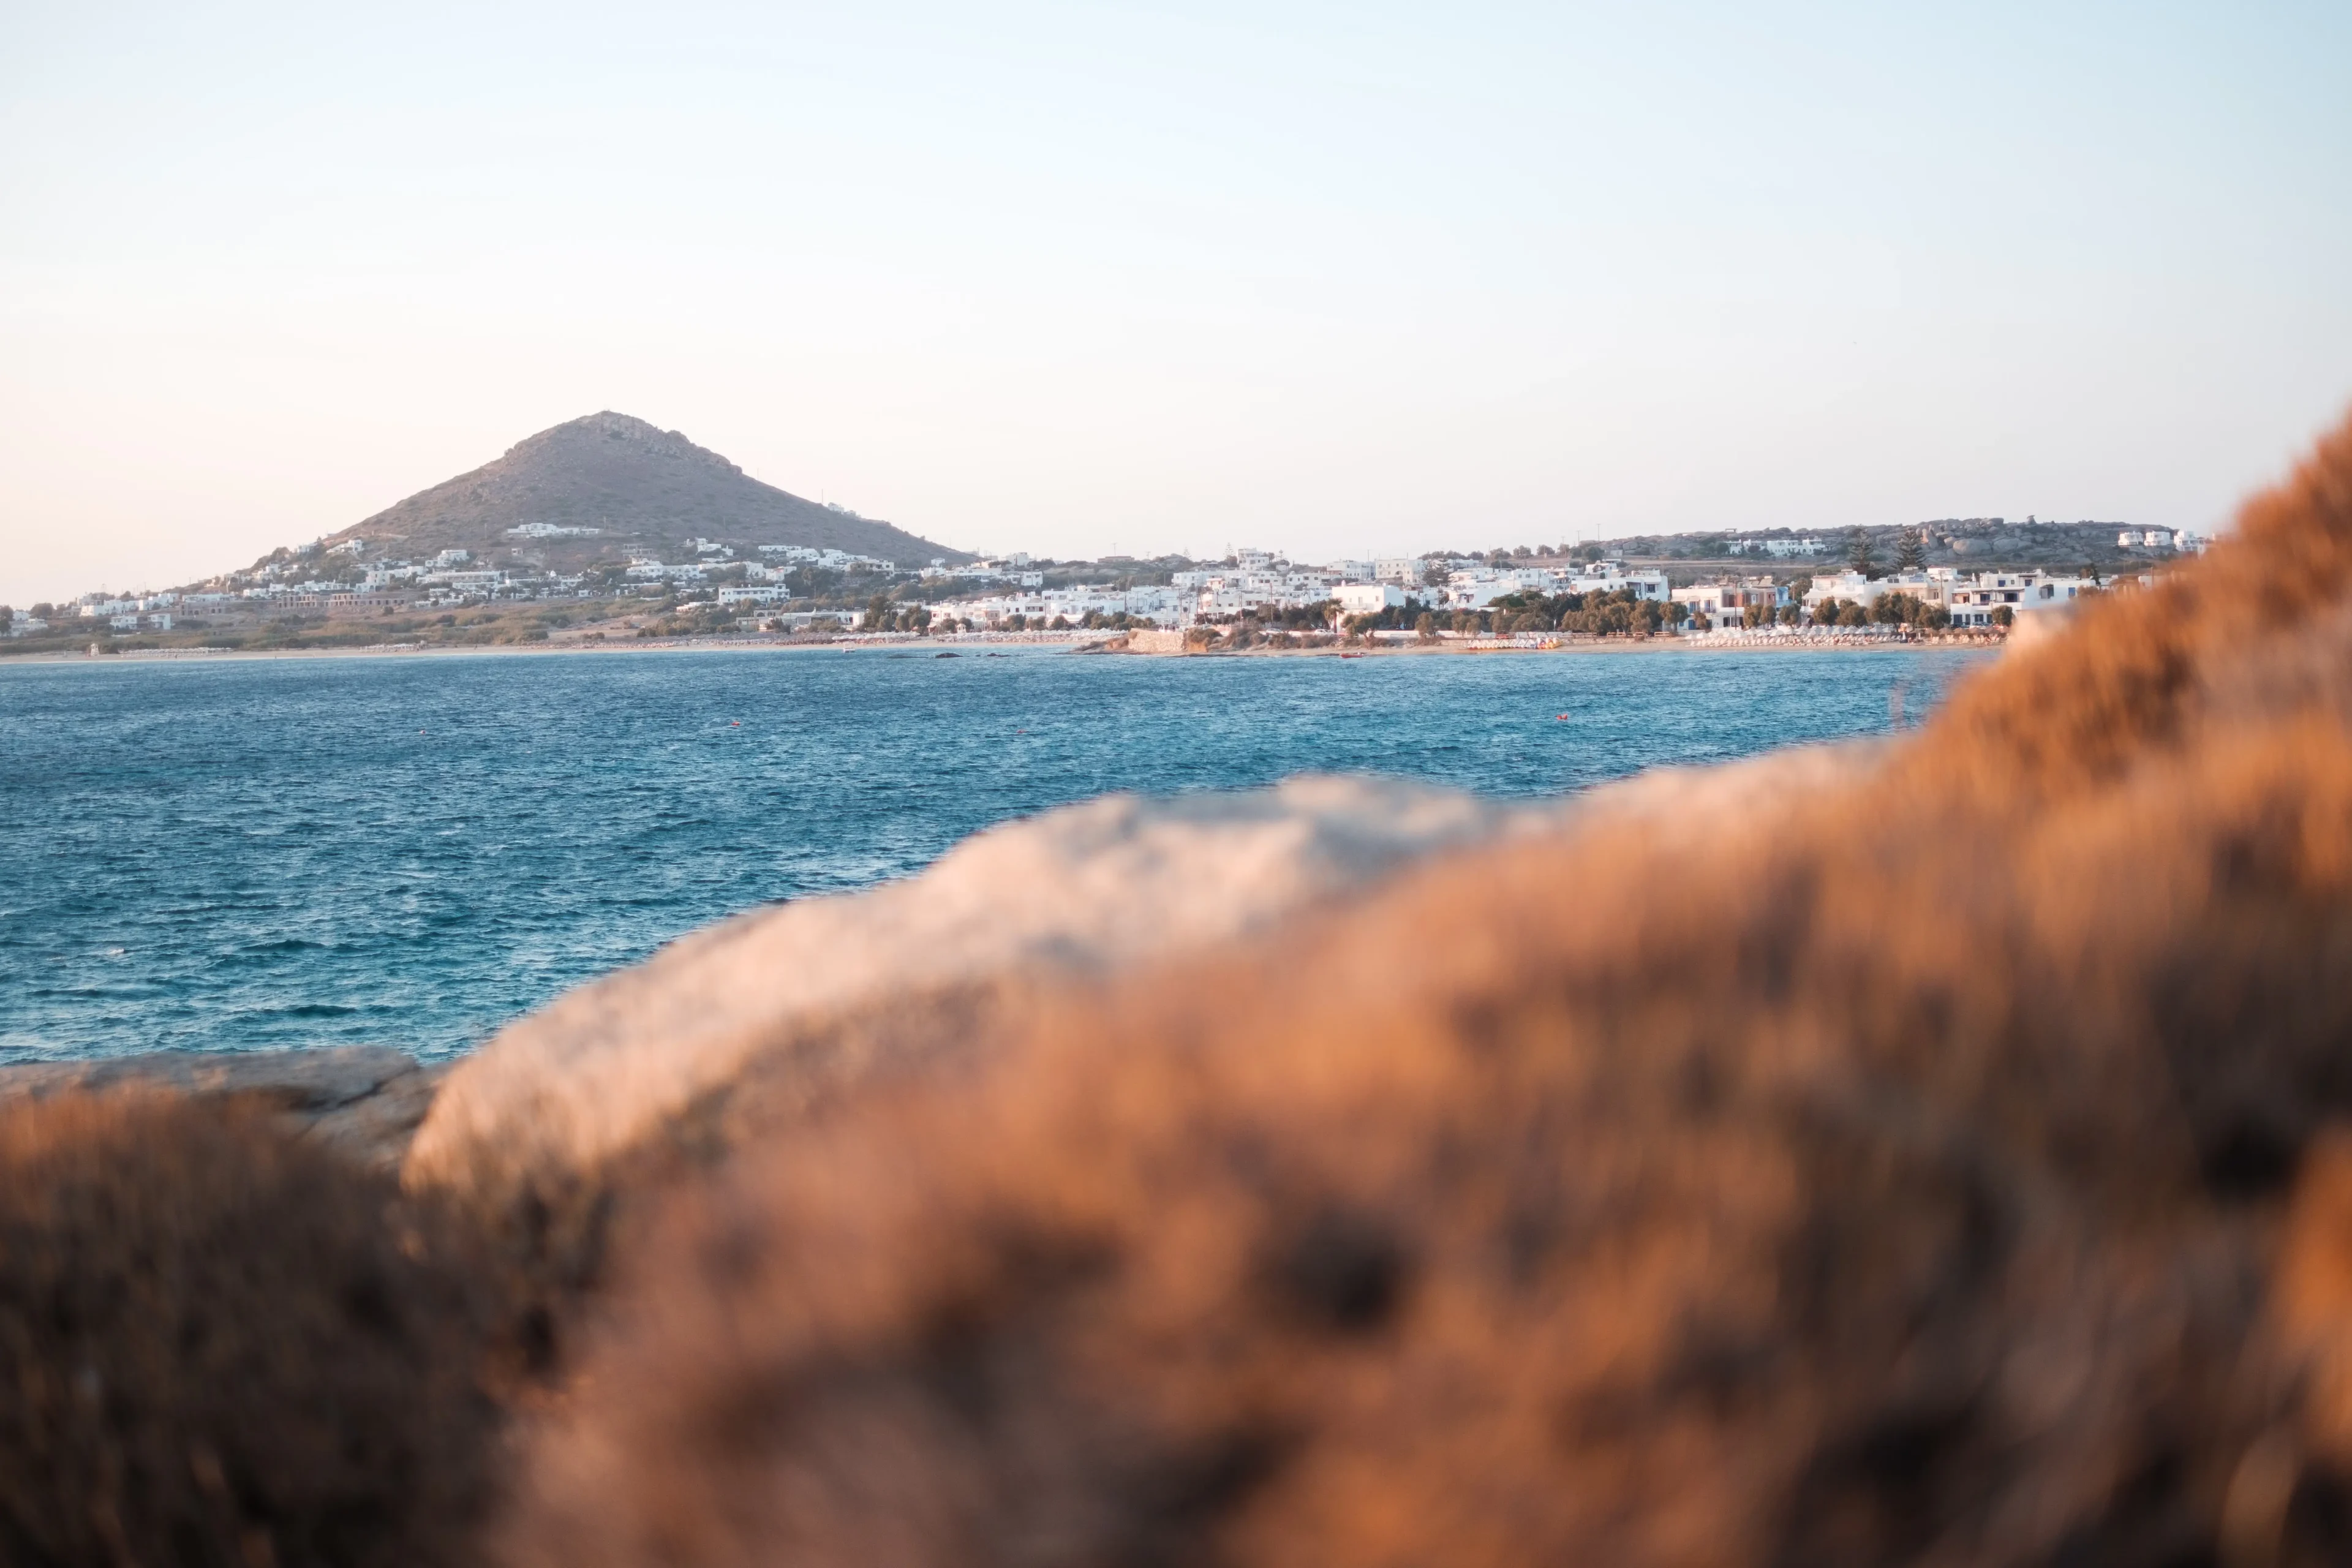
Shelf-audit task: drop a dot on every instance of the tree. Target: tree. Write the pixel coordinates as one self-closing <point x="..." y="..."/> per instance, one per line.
<point x="878" y="610"/>
<point x="1425" y="629"/>
<point x="1861" y="553"/>
<point x="2003" y="615"/>
<point x="1911" y="555"/>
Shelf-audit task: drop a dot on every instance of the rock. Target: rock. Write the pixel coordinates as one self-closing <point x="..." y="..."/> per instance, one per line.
<point x="766" y="1019"/>
<point x="365" y="1101"/>
<point x="1075" y="893"/>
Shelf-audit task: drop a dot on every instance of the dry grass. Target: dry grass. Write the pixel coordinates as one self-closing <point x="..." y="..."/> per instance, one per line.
<point x="1922" y="1200"/>
<point x="218" y="1345"/>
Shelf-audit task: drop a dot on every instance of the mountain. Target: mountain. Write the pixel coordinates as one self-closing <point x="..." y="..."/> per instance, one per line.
<point x="640" y="489"/>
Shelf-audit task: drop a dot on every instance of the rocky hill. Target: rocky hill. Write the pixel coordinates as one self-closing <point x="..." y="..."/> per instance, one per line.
<point x="640" y="490"/>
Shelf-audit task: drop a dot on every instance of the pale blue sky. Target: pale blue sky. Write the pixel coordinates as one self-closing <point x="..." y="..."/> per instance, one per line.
<point x="1339" y="277"/>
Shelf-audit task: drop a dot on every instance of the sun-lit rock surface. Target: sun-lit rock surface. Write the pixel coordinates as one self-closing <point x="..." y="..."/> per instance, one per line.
<point x="810" y="996"/>
<point x="365" y="1101"/>
<point x="1078" y="893"/>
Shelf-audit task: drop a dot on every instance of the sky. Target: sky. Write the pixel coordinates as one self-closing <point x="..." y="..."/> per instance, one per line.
<point x="1340" y="278"/>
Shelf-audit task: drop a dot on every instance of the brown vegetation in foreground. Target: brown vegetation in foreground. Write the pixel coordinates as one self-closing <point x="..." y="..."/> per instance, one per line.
<point x="1956" y="1182"/>
<point x="221" y="1346"/>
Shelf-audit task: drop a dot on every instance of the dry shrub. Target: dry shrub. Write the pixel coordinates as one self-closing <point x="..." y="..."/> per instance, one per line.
<point x="220" y="1345"/>
<point x="1914" y="1195"/>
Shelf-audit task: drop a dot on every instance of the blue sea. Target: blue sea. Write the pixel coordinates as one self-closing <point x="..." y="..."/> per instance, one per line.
<point x="410" y="851"/>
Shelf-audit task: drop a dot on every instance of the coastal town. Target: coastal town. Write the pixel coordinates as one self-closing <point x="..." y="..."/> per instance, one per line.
<point x="1782" y="587"/>
<point x="608" y="530"/>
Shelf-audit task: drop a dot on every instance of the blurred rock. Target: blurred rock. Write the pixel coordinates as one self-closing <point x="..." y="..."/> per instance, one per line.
<point x="1079" y="892"/>
<point x="364" y="1101"/>
<point x="768" y="1018"/>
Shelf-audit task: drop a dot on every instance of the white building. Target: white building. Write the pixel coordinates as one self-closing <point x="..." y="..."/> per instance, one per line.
<point x="1476" y="587"/>
<point x="654" y="571"/>
<point x="1973" y="600"/>
<point x="1368" y="598"/>
<point x="1722" y="605"/>
<point x="1162" y="606"/>
<point x="1930" y="587"/>
<point x="2127" y="540"/>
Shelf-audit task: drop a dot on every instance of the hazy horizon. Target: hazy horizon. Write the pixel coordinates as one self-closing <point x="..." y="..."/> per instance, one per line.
<point x="1340" y="280"/>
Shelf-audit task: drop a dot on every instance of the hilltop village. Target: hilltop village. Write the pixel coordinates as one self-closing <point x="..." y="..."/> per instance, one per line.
<point x="1866" y="584"/>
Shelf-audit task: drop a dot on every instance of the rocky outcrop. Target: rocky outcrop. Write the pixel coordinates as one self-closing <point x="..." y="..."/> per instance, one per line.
<point x="734" y="1036"/>
<point x="361" y="1101"/>
<point x="789" y="1005"/>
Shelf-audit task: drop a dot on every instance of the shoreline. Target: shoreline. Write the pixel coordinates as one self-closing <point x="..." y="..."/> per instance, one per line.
<point x="1066" y="642"/>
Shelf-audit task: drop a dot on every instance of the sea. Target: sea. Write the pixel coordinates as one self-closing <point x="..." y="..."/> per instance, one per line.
<point x="412" y="850"/>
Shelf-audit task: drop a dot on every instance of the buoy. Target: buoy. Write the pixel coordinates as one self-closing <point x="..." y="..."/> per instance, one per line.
<point x="1560" y="716"/>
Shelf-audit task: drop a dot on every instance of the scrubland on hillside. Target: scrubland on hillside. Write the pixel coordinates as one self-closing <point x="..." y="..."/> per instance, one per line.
<point x="1950" y="1162"/>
